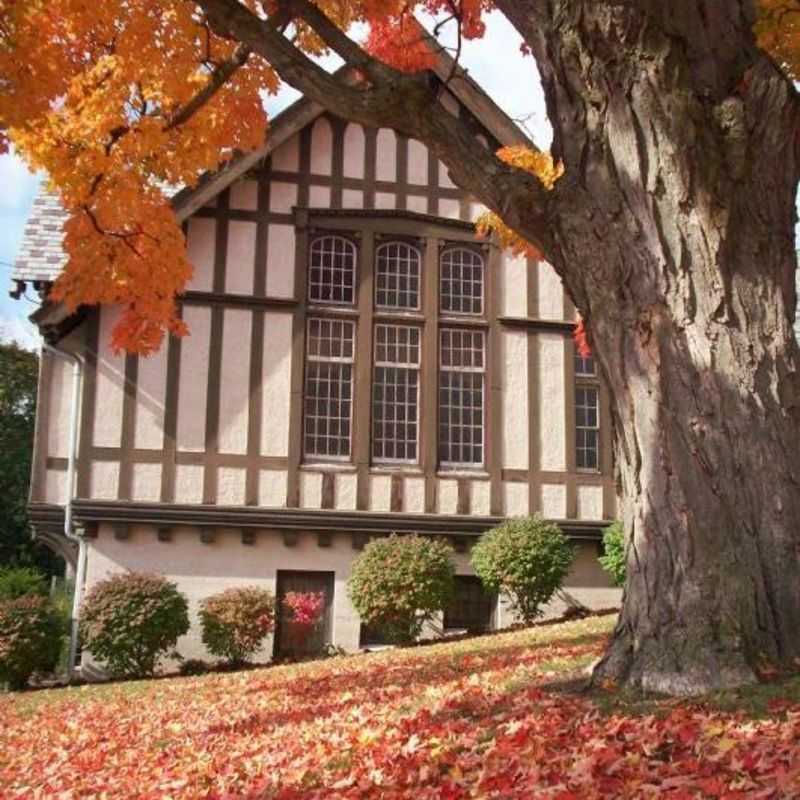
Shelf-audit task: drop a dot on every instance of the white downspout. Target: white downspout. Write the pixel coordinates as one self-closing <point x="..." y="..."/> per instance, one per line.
<point x="80" y="572"/>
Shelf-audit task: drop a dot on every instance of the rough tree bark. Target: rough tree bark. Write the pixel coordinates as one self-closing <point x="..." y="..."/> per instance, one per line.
<point x="673" y="230"/>
<point x="675" y="237"/>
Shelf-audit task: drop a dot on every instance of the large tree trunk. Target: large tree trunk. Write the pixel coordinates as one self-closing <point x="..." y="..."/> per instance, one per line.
<point x="676" y="241"/>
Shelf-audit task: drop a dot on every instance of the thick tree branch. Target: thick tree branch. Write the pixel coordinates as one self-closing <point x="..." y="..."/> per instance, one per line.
<point x="219" y="77"/>
<point x="350" y="52"/>
<point x="395" y="100"/>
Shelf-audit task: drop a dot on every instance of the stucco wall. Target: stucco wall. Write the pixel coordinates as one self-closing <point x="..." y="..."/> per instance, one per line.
<point x="243" y="245"/>
<point x="202" y="569"/>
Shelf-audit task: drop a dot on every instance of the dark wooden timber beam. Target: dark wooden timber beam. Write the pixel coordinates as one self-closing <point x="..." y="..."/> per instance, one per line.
<point x="286" y="519"/>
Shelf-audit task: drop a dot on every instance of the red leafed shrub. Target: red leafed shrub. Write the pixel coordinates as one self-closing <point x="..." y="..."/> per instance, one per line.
<point x="236" y="621"/>
<point x="306" y="607"/>
<point x="130" y="621"/>
<point x="30" y="639"/>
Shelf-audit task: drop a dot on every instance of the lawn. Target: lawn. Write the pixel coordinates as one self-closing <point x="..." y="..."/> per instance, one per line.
<point x="491" y="717"/>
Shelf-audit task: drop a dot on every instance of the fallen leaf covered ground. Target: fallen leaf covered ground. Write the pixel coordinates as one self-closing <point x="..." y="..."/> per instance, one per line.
<point x="482" y="718"/>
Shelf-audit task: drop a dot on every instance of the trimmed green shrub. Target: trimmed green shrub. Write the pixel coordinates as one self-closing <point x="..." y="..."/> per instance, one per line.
<point x="613" y="558"/>
<point x="30" y="639"/>
<point x="236" y="622"/>
<point x="400" y="582"/>
<point x="527" y="559"/>
<point x="130" y="621"/>
<point x="20" y="581"/>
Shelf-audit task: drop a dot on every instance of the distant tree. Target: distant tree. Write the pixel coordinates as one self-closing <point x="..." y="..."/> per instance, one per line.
<point x="19" y="371"/>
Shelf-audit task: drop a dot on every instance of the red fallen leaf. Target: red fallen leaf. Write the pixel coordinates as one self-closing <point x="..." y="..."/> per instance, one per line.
<point x="687" y="732"/>
<point x="457" y="720"/>
<point x="451" y="792"/>
<point x="767" y="671"/>
<point x="779" y="705"/>
<point x="712" y="786"/>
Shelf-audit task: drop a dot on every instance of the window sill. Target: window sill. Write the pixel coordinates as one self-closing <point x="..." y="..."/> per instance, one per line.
<point x="398" y="314"/>
<point x="463" y="321"/>
<point x="331" y="309"/>
<point x="393" y="469"/>
<point x="327" y="466"/>
<point x="476" y="474"/>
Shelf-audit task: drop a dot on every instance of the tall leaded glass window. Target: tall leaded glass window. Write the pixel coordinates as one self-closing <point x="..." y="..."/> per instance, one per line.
<point x="462" y="366"/>
<point x="461" y="281"/>
<point x="397" y="271"/>
<point x="332" y="270"/>
<point x="395" y="393"/>
<point x="328" y="400"/>
<point x="587" y="427"/>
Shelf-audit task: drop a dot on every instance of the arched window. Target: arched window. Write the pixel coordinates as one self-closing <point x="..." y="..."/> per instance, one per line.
<point x="461" y="281"/>
<point x="332" y="270"/>
<point x="397" y="270"/>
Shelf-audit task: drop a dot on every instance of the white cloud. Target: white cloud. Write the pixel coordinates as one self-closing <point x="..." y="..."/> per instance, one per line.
<point x="21" y="331"/>
<point x="505" y="74"/>
<point x="17" y="184"/>
<point x="494" y="61"/>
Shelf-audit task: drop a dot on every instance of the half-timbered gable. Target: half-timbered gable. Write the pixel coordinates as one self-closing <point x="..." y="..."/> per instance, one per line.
<point x="358" y="363"/>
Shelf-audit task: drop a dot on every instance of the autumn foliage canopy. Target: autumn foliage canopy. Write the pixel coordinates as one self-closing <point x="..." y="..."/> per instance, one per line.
<point x="123" y="102"/>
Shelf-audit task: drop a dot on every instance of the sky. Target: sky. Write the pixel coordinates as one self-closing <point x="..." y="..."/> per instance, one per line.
<point x="495" y="62"/>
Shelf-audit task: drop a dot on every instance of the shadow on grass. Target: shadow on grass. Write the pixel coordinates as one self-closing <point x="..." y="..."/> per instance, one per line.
<point x="536" y="735"/>
<point x="314" y="697"/>
<point x="758" y="701"/>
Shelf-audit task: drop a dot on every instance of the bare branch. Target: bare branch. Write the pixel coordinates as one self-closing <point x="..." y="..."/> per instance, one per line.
<point x="457" y="57"/>
<point x="340" y="42"/>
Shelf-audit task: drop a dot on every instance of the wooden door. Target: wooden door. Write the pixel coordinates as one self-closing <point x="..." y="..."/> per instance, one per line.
<point x="293" y="640"/>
